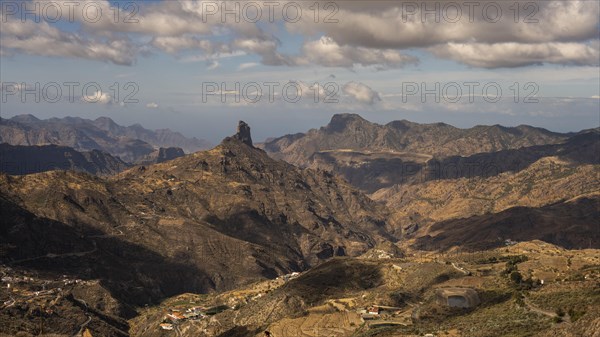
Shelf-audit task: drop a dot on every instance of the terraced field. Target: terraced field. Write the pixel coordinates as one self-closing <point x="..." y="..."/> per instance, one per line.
<point x="317" y="324"/>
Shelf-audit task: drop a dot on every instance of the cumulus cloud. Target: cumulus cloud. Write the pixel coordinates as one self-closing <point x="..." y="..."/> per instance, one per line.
<point x="98" y="97"/>
<point x="542" y="28"/>
<point x="513" y="54"/>
<point x="329" y="53"/>
<point x="165" y="18"/>
<point x="174" y="44"/>
<point x="361" y="93"/>
<point x="45" y="40"/>
<point x="247" y="65"/>
<point x="409" y="24"/>
<point x="374" y="33"/>
<point x="266" y="48"/>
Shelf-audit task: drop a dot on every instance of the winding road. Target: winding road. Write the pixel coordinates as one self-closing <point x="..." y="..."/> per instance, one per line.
<point x="82" y="326"/>
<point x="460" y="269"/>
<point x="535" y="309"/>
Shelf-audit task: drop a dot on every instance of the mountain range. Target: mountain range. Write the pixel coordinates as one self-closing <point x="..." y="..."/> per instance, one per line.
<point x="298" y="233"/>
<point x="372" y="156"/>
<point x="130" y="144"/>
<point x="208" y="221"/>
<point x="436" y="178"/>
<point x="350" y="132"/>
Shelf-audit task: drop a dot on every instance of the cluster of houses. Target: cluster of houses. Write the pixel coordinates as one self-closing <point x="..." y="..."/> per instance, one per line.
<point x="288" y="277"/>
<point x="176" y="316"/>
<point x="26" y="279"/>
<point x="375" y="311"/>
<point x="22" y="288"/>
<point x="9" y="279"/>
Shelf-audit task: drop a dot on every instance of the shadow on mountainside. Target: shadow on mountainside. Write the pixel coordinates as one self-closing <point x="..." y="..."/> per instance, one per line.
<point x="133" y="274"/>
<point x="572" y="225"/>
<point x="579" y="150"/>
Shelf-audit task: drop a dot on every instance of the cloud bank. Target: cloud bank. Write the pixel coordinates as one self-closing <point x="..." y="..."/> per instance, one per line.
<point x="379" y="34"/>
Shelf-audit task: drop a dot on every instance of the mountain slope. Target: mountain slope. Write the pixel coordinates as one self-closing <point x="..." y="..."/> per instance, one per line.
<point x="129" y="143"/>
<point x="158" y="138"/>
<point x="547" y="181"/>
<point x="374" y="169"/>
<point x="72" y="132"/>
<point x="19" y="160"/>
<point x="352" y="132"/>
<point x="573" y="225"/>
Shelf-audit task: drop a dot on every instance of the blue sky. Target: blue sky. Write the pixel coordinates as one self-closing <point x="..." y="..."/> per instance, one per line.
<point x="368" y="58"/>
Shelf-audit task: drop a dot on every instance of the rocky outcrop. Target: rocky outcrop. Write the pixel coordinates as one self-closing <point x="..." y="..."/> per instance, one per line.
<point x="165" y="154"/>
<point x="243" y="133"/>
<point x="161" y="155"/>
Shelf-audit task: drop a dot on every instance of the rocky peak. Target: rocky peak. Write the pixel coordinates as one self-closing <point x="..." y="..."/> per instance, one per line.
<point x="27" y="118"/>
<point x="105" y="123"/>
<point x="169" y="153"/>
<point x="243" y="133"/>
<point x="340" y="122"/>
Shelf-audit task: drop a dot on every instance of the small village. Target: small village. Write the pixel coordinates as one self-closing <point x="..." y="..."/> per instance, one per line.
<point x="175" y="316"/>
<point x="178" y="316"/>
<point x="16" y="287"/>
<point x="376" y="312"/>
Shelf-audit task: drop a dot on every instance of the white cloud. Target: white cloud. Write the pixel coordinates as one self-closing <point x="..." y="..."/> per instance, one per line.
<point x="98" y="97"/>
<point x="45" y="40"/>
<point x="216" y="56"/>
<point x="371" y="34"/>
<point x="361" y="93"/>
<point x="513" y="54"/>
<point x="174" y="44"/>
<point x="152" y="105"/>
<point x="327" y="52"/>
<point x="408" y="24"/>
<point x="213" y="64"/>
<point x="266" y="48"/>
<point x="248" y="65"/>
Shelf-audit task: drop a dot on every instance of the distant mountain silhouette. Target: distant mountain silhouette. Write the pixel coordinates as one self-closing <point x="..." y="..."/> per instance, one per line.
<point x="131" y="143"/>
<point x="19" y="160"/>
<point x="159" y="138"/>
<point x="372" y="156"/>
<point x="352" y="132"/>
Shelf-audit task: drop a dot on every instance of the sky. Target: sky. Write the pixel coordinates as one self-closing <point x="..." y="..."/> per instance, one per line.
<point x="287" y="66"/>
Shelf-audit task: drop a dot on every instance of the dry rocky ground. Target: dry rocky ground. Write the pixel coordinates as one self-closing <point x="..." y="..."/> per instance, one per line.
<point x="231" y="242"/>
<point x="327" y="300"/>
